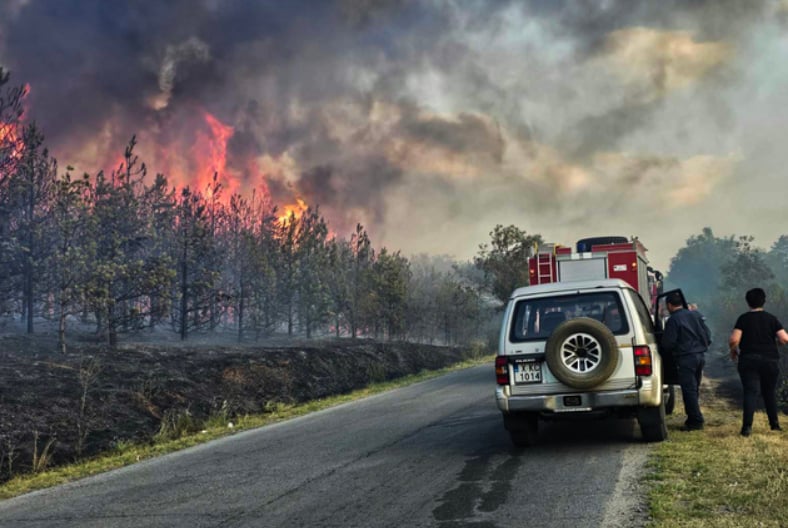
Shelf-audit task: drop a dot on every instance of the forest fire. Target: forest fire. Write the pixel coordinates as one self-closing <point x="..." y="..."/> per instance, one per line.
<point x="11" y="140"/>
<point x="293" y="211"/>
<point x="210" y="155"/>
<point x="201" y="159"/>
<point x="218" y="179"/>
<point x="194" y="151"/>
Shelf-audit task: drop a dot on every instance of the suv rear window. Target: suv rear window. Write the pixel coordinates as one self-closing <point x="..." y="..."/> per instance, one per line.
<point x="536" y="318"/>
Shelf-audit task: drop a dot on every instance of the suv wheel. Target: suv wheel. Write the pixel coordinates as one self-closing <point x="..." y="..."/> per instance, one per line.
<point x="582" y="353"/>
<point x="652" y="423"/>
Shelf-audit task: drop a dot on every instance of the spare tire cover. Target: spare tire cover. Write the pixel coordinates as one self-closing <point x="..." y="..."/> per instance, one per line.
<point x="582" y="353"/>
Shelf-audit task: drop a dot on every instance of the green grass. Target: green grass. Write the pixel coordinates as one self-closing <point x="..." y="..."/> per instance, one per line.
<point x="717" y="478"/>
<point x="126" y="453"/>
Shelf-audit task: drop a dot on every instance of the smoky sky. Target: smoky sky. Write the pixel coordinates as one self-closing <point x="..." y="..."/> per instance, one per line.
<point x="431" y="121"/>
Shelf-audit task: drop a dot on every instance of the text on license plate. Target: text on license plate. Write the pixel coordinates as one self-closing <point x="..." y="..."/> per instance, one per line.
<point x="527" y="372"/>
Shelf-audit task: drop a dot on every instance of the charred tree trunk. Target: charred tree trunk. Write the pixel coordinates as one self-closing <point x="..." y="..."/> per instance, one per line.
<point x="61" y="328"/>
<point x="112" y="324"/>
<point x="241" y="312"/>
<point x="28" y="287"/>
<point x="184" y="297"/>
<point x="28" y="294"/>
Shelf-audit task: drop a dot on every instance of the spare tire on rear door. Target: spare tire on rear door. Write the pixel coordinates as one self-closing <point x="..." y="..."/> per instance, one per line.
<point x="582" y="353"/>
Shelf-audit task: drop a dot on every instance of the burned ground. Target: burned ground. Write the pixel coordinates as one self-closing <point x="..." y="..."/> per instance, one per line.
<point x="93" y="397"/>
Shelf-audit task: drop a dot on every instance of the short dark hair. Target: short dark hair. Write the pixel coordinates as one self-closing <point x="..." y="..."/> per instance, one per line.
<point x="674" y="299"/>
<point x="756" y="298"/>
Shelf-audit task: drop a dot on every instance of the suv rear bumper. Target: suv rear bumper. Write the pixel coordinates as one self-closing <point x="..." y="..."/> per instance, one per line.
<point x="567" y="402"/>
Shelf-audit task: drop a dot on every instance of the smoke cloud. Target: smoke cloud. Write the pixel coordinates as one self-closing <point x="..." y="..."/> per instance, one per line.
<point x="430" y="122"/>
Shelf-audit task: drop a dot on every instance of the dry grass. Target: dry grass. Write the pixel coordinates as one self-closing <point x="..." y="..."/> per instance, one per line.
<point x="127" y="453"/>
<point x="717" y="478"/>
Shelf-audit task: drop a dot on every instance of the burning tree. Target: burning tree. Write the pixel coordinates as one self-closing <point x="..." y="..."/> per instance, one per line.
<point x="31" y="194"/>
<point x="128" y="253"/>
<point x="11" y="142"/>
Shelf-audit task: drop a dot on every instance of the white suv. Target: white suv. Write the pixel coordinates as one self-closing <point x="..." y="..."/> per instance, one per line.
<point x="586" y="347"/>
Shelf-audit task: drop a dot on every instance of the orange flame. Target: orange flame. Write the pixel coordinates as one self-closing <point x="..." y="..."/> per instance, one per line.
<point x="210" y="153"/>
<point x="11" y="138"/>
<point x="198" y="158"/>
<point x="293" y="211"/>
<point x="11" y="133"/>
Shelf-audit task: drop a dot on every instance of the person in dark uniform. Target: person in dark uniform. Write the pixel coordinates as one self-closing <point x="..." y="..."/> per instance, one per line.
<point x="753" y="343"/>
<point x="687" y="338"/>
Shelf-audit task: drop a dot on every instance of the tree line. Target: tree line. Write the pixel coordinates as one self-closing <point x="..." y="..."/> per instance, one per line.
<point x="715" y="272"/>
<point x="127" y="252"/>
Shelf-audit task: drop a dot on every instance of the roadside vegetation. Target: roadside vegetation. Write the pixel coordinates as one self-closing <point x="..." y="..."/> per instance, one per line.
<point x="717" y="478"/>
<point x="180" y="433"/>
<point x="709" y="478"/>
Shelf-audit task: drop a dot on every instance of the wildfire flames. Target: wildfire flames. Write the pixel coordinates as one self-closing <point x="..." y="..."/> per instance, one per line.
<point x="293" y="211"/>
<point x="10" y="137"/>
<point x="11" y="143"/>
<point x="197" y="158"/>
<point x="210" y="155"/>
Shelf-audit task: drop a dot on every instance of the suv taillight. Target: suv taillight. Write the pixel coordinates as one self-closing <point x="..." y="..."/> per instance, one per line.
<point x="502" y="370"/>
<point x="643" y="361"/>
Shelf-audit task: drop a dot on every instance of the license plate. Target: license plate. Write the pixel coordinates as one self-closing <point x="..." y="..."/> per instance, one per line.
<point x="527" y="372"/>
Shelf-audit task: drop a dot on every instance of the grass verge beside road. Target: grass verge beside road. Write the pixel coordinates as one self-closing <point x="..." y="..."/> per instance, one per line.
<point x="126" y="453"/>
<point x="717" y="478"/>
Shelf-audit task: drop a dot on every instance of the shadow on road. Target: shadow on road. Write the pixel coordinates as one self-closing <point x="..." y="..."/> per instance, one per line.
<point x="588" y="431"/>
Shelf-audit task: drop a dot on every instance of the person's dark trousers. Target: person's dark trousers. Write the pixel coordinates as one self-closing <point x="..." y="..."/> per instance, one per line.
<point x="757" y="372"/>
<point x="690" y="368"/>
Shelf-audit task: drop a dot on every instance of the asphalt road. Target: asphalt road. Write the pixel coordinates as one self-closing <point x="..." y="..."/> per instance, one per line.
<point x="431" y="454"/>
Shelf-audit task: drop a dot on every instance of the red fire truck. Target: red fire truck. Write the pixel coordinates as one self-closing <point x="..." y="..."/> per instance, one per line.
<point x="612" y="257"/>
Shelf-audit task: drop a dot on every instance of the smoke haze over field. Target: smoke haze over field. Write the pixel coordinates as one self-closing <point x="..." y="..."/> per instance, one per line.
<point x="430" y="122"/>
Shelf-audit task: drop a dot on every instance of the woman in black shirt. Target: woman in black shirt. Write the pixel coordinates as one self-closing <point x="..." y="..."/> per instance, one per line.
<point x="754" y="343"/>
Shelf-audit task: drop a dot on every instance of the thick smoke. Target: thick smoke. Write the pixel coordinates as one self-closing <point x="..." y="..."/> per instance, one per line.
<point x="430" y="122"/>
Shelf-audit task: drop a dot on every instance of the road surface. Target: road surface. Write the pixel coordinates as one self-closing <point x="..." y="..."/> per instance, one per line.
<point x="433" y="454"/>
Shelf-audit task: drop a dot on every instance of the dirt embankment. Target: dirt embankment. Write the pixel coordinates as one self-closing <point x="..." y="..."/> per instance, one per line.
<point x="85" y="401"/>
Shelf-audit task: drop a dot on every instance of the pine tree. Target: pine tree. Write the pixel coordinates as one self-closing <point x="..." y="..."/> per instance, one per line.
<point x="264" y="273"/>
<point x="158" y="205"/>
<point x="12" y="149"/>
<point x="73" y="251"/>
<point x="195" y="276"/>
<point x="340" y="259"/>
<point x="11" y="141"/>
<point x="312" y="273"/>
<point x="390" y="276"/>
<point x="125" y="271"/>
<point x="287" y="237"/>
<point x="31" y="196"/>
<point x="361" y="249"/>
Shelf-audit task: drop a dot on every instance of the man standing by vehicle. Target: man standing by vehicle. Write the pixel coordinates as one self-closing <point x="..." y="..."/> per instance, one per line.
<point x="687" y="338"/>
